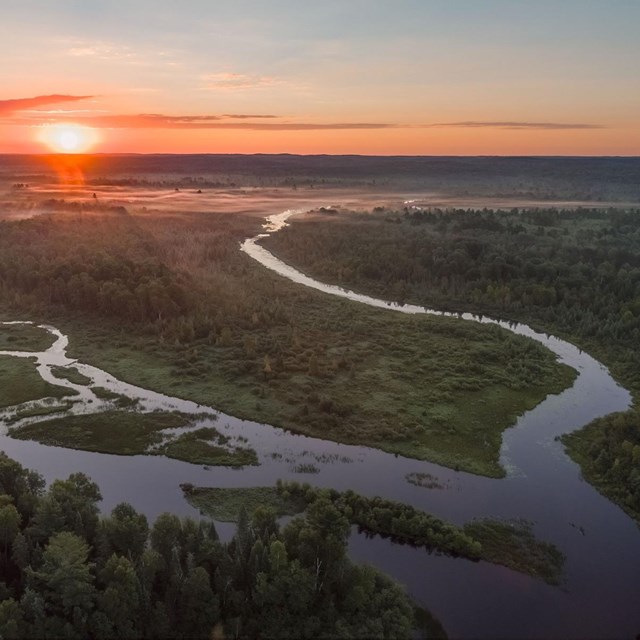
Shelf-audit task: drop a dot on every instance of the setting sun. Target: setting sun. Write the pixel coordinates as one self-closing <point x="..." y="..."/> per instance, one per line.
<point x="70" y="138"/>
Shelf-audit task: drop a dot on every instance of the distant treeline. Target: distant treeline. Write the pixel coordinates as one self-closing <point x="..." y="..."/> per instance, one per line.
<point x="594" y="179"/>
<point x="67" y="573"/>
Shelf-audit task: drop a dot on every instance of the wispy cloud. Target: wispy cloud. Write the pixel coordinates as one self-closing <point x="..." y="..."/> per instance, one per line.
<point x="8" y="107"/>
<point x="102" y="50"/>
<point x="474" y="124"/>
<point x="255" y="122"/>
<point x="33" y="111"/>
<point x="240" y="116"/>
<point x="238" y="81"/>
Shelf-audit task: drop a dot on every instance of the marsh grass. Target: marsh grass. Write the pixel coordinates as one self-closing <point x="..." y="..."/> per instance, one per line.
<point x="37" y="411"/>
<point x="305" y="467"/>
<point x="424" y="405"/>
<point x="513" y="544"/>
<point x="135" y="433"/>
<point x="106" y="394"/>
<point x="24" y="337"/>
<point x="116" y="432"/>
<point x="224" y="504"/>
<point x="20" y="382"/>
<point x="202" y="446"/>
<point x="71" y="374"/>
<point x="424" y="480"/>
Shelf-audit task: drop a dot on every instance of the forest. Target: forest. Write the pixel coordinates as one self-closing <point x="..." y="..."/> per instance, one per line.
<point x="167" y="301"/>
<point x="67" y="572"/>
<point x="506" y="542"/>
<point x="574" y="273"/>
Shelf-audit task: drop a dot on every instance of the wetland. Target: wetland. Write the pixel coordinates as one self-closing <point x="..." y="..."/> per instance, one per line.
<point x="171" y="342"/>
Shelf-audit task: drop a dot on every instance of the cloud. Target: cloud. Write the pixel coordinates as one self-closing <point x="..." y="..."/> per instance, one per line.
<point x="473" y="124"/>
<point x="240" y="121"/>
<point x="238" y="81"/>
<point x="254" y="122"/>
<point x="8" y="107"/>
<point x="241" y="116"/>
<point x="102" y="50"/>
<point x="111" y="51"/>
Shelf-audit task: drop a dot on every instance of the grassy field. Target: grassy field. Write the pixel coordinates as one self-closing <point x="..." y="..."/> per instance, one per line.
<point x="24" y="337"/>
<point x="224" y="504"/>
<point x="20" y="382"/>
<point x="133" y="433"/>
<point x="444" y="388"/>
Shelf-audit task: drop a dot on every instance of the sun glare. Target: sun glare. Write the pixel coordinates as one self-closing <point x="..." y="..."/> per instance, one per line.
<point x="69" y="138"/>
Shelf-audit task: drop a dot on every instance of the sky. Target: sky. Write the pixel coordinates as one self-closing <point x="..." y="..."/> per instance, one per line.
<point x="401" y="77"/>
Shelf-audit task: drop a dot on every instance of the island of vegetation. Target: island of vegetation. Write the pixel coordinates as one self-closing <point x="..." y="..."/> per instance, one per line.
<point x="20" y="382"/>
<point x="168" y="302"/>
<point x="69" y="573"/>
<point x="572" y="272"/>
<point x="71" y="374"/>
<point x="511" y="544"/>
<point x="24" y="337"/>
<point x="135" y="433"/>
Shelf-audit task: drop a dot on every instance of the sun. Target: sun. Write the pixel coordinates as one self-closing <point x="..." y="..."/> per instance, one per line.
<point x="69" y="141"/>
<point x="69" y="138"/>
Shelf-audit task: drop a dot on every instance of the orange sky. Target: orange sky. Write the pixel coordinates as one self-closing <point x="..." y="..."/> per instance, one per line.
<point x="408" y="77"/>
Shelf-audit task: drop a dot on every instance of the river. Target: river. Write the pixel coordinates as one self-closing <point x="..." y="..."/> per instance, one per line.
<point x="602" y="590"/>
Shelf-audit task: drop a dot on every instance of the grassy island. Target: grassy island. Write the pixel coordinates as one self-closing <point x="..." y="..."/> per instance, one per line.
<point x="20" y="382"/>
<point x="135" y="433"/>
<point x="24" y="337"/>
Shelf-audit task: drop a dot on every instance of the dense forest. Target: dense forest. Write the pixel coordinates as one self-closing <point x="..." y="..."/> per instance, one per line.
<point x="69" y="573"/>
<point x="511" y="543"/>
<point x="167" y="301"/>
<point x="128" y="283"/>
<point x="575" y="273"/>
<point x="508" y="543"/>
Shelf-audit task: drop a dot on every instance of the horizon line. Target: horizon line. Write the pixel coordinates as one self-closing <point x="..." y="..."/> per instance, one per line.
<point x="308" y="155"/>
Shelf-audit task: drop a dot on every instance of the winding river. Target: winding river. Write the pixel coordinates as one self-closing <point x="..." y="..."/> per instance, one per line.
<point x="602" y="591"/>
